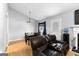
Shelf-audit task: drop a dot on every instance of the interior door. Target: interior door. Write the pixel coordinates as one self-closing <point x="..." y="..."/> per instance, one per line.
<point x="42" y="28"/>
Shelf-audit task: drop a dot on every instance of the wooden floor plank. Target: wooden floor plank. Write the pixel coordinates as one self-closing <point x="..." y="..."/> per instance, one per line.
<point x="19" y="48"/>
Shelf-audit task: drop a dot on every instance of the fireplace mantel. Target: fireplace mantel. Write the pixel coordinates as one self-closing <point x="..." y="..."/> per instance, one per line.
<point x="74" y="36"/>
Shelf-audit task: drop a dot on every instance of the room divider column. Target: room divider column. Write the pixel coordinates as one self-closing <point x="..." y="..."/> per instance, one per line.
<point x="3" y="26"/>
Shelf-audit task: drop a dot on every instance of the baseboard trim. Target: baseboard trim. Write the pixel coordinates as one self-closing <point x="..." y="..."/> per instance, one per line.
<point x="15" y="41"/>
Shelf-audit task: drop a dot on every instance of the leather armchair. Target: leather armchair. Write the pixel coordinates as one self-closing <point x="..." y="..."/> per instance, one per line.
<point x="38" y="43"/>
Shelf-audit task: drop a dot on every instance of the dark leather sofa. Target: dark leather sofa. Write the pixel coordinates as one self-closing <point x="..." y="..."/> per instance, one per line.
<point x="43" y="45"/>
<point x="38" y="44"/>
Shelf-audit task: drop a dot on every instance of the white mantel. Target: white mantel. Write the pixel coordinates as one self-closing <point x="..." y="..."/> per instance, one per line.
<point x="73" y="37"/>
<point x="76" y="31"/>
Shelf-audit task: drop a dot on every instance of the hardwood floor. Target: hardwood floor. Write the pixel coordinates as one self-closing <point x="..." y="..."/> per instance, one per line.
<point x="19" y="48"/>
<point x="72" y="53"/>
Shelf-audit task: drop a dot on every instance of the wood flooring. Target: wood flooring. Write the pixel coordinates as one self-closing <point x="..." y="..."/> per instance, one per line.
<point x="19" y="48"/>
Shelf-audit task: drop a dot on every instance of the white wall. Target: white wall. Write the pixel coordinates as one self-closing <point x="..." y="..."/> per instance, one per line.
<point x="50" y="27"/>
<point x="66" y="19"/>
<point x="18" y="25"/>
<point x="3" y="26"/>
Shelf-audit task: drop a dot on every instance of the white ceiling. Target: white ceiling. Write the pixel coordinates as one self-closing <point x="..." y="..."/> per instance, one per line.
<point x="40" y="11"/>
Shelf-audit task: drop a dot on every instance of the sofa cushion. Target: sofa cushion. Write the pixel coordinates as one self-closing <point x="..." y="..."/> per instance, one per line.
<point x="38" y="41"/>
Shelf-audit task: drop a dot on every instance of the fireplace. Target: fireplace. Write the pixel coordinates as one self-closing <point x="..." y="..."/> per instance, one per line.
<point x="78" y="40"/>
<point x="74" y="38"/>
